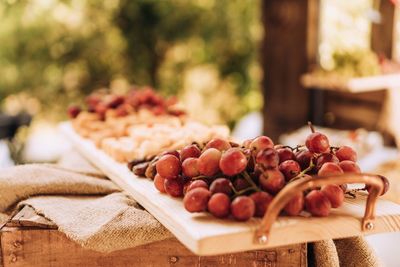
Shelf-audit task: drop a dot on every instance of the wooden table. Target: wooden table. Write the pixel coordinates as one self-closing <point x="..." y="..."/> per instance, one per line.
<point x="31" y="240"/>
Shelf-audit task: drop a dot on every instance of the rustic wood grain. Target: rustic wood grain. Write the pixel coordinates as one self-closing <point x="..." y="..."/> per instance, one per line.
<point x="205" y="235"/>
<point x="1" y="250"/>
<point x="49" y="247"/>
<point x="33" y="243"/>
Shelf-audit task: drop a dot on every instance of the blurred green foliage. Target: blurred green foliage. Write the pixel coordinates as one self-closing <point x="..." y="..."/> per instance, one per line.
<point x="60" y="50"/>
<point x="356" y="63"/>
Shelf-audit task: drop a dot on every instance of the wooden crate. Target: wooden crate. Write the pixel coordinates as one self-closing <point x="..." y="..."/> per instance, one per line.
<point x="31" y="240"/>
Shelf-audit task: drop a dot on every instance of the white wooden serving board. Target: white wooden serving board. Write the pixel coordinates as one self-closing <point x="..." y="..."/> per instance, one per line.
<point x="205" y="235"/>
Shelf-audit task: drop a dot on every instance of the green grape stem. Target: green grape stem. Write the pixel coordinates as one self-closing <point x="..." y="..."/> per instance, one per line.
<point x="247" y="177"/>
<point x="303" y="172"/>
<point x="241" y="192"/>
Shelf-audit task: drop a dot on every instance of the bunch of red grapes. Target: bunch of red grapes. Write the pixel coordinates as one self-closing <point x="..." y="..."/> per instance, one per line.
<point x="225" y="178"/>
<point x="144" y="98"/>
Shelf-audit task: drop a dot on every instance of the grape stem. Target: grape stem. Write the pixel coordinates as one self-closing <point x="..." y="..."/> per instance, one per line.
<point x="241" y="192"/>
<point x="247" y="177"/>
<point x="334" y="149"/>
<point x="311" y="127"/>
<point x="309" y="168"/>
<point x="353" y="193"/>
<point x="233" y="189"/>
<point x="297" y="148"/>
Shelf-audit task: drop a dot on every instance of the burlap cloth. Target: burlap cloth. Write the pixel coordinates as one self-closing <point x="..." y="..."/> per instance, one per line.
<point x="92" y="211"/>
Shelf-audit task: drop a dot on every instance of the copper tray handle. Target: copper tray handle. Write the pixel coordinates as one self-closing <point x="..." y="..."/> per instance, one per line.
<point x="302" y="184"/>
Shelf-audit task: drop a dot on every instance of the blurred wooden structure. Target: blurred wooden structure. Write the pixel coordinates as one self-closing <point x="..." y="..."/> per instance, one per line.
<point x="290" y="49"/>
<point x="31" y="240"/>
<point x="284" y="59"/>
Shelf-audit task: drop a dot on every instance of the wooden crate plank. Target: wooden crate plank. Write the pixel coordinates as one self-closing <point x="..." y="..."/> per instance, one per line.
<point x="205" y="235"/>
<point x="1" y="250"/>
<point x="48" y="247"/>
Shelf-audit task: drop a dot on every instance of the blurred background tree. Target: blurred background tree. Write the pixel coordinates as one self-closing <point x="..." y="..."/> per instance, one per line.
<point x="53" y="52"/>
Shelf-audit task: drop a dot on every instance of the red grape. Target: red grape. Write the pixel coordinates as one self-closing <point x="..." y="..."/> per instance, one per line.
<point x="234" y="144"/>
<point x="174" y="187"/>
<point x="250" y="159"/>
<point x="330" y="168"/>
<point x="171" y="152"/>
<point x="260" y="143"/>
<point x="386" y="185"/>
<point x="123" y="110"/>
<point x="159" y="183"/>
<point x="255" y="175"/>
<point x="334" y="193"/>
<point x="349" y="166"/>
<point x="168" y="166"/>
<point x="185" y="187"/>
<point x="233" y="162"/>
<point x="242" y="208"/>
<point x="151" y="170"/>
<point x="317" y="143"/>
<point x="196" y="200"/>
<point x="158" y="110"/>
<point x="284" y="154"/>
<point x="343" y="187"/>
<point x="278" y="146"/>
<point x="208" y="162"/>
<point x="295" y="205"/>
<point x="140" y="168"/>
<point x="240" y="184"/>
<point x="303" y="157"/>
<point x="219" y="205"/>
<point x="346" y="153"/>
<point x="268" y="158"/>
<point x="326" y="157"/>
<point x="261" y="201"/>
<point x="73" y="111"/>
<point x="196" y="184"/>
<point x="190" y="167"/>
<point x="221" y="185"/>
<point x="317" y="203"/>
<point x="290" y="169"/>
<point x="272" y="181"/>
<point x="191" y="151"/>
<point x="246" y="143"/>
<point x="92" y="101"/>
<point x="114" y="101"/>
<point x="101" y="110"/>
<point x="219" y="144"/>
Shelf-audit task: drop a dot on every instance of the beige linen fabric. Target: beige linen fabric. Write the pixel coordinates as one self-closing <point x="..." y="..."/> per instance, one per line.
<point x="86" y="206"/>
<point x="93" y="212"/>
<point x="353" y="252"/>
<point x="105" y="224"/>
